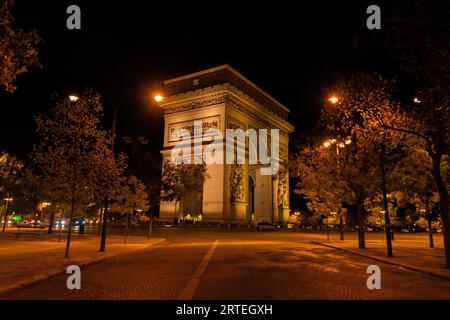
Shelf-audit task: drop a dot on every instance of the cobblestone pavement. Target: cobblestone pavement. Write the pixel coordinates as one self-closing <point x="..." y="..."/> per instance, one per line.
<point x="239" y="265"/>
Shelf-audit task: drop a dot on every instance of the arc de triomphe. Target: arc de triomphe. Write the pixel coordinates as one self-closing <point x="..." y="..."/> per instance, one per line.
<point x="222" y="98"/>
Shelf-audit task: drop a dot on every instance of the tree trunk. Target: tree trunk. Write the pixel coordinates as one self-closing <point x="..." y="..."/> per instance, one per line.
<point x="60" y="225"/>
<point x="429" y="216"/>
<point x="127" y="225"/>
<point x="6" y="215"/>
<point x="72" y="209"/>
<point x="430" y="233"/>
<point x="443" y="205"/>
<point x="386" y="208"/>
<point x="104" y="226"/>
<point x="341" y="223"/>
<point x="52" y="219"/>
<point x="59" y="233"/>
<point x="100" y="223"/>
<point x="175" y="211"/>
<point x="150" y="227"/>
<point x="361" y="235"/>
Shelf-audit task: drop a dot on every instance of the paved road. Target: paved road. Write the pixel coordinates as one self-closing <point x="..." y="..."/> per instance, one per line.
<point x="230" y="264"/>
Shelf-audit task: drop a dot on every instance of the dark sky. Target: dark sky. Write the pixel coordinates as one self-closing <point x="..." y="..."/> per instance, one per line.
<point x="290" y="48"/>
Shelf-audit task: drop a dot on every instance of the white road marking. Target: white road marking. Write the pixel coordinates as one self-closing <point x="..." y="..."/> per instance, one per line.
<point x="193" y="283"/>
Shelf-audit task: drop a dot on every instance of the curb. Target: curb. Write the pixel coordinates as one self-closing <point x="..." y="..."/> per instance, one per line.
<point x="429" y="273"/>
<point x="48" y="277"/>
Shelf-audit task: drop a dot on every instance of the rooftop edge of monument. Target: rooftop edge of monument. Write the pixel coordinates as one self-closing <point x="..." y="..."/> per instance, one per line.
<point x="219" y="75"/>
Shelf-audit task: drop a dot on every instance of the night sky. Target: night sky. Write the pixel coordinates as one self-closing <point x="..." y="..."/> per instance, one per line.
<point x="291" y="49"/>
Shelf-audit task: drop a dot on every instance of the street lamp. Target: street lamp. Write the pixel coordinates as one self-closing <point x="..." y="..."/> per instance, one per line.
<point x="331" y="215"/>
<point x="73" y="98"/>
<point x="333" y="99"/>
<point x="43" y="206"/>
<point x="339" y="145"/>
<point x="7" y="202"/>
<point x="158" y="98"/>
<point x="117" y="105"/>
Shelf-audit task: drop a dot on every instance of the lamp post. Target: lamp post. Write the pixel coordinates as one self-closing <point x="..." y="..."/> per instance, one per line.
<point x="73" y="98"/>
<point x="158" y="98"/>
<point x="387" y="224"/>
<point x="44" y="205"/>
<point x="339" y="145"/>
<point x="7" y="202"/>
<point x="113" y="142"/>
<point x="334" y="100"/>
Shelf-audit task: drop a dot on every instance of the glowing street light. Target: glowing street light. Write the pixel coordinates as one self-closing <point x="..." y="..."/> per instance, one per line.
<point x="416" y="100"/>
<point x="73" y="98"/>
<point x="330" y="142"/>
<point x="158" y="98"/>
<point x="333" y="99"/>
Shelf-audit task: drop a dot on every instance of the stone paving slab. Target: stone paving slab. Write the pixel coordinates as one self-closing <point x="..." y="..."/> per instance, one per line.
<point x="26" y="262"/>
<point x="413" y="255"/>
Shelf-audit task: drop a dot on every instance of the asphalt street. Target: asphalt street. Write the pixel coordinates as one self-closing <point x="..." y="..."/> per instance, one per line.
<point x="239" y="265"/>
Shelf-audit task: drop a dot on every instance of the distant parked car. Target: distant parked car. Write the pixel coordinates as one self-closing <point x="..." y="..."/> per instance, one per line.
<point x="34" y="224"/>
<point x="59" y="223"/>
<point x="418" y="229"/>
<point x="266" y="226"/>
<point x="78" y="222"/>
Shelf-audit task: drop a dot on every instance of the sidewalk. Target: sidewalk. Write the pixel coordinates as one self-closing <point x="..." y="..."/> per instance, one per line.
<point x="34" y="259"/>
<point x="413" y="254"/>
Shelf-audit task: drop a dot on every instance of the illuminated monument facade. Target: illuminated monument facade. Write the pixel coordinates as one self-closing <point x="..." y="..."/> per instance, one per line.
<point x="221" y="98"/>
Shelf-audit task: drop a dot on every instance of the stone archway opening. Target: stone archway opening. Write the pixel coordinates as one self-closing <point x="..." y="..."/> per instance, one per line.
<point x="193" y="203"/>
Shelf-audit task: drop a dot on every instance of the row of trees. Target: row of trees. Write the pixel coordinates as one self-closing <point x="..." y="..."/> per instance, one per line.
<point x="18" y="48"/>
<point x="73" y="166"/>
<point x="385" y="144"/>
<point x="366" y="165"/>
